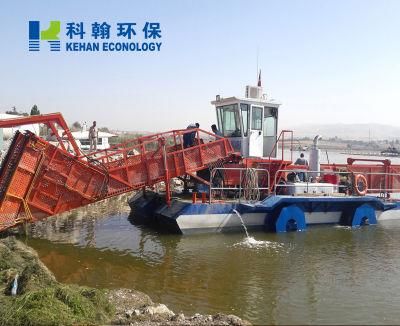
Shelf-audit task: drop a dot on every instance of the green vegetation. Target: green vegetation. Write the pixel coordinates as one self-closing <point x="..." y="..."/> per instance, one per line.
<point x="14" y="111"/>
<point x="40" y="299"/>
<point x="123" y="138"/>
<point x="104" y="129"/>
<point x="35" y="110"/>
<point x="55" y="305"/>
<point x="76" y="126"/>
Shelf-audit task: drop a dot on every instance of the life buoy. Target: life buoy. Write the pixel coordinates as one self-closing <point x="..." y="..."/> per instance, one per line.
<point x="360" y="184"/>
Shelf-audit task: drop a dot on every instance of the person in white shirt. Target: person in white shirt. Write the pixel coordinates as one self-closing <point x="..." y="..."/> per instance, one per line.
<point x="93" y="136"/>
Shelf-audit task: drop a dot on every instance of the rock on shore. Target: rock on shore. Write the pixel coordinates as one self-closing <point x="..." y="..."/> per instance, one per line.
<point x="136" y="308"/>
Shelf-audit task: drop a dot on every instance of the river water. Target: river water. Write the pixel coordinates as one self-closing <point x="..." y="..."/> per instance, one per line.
<point x="325" y="275"/>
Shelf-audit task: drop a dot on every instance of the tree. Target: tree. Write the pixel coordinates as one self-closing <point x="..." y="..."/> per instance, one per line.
<point x="76" y="126"/>
<point x="14" y="111"/>
<point x="35" y="110"/>
<point x="104" y="129"/>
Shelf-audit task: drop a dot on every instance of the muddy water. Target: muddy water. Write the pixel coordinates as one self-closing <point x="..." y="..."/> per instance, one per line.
<point x="324" y="275"/>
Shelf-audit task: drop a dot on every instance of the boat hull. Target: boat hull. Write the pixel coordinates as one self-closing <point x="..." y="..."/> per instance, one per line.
<point x="185" y="217"/>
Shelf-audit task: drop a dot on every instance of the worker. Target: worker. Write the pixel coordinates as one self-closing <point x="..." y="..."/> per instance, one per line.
<point x="93" y="136"/>
<point x="216" y="131"/>
<point x="193" y="126"/>
<point x="301" y="161"/>
<point x="189" y="137"/>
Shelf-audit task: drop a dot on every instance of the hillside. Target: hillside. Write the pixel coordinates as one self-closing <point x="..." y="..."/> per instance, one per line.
<point x="348" y="131"/>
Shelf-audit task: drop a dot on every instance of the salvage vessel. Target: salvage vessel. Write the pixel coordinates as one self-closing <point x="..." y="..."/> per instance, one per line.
<point x="263" y="186"/>
<point x="243" y="173"/>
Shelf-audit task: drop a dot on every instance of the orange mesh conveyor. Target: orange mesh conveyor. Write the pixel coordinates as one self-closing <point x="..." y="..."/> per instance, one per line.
<point x="39" y="178"/>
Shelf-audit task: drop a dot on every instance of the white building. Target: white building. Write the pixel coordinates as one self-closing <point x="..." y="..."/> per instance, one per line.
<point x="82" y="138"/>
<point x="9" y="132"/>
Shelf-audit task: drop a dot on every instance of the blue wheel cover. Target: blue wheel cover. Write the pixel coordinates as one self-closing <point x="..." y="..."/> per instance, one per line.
<point x="288" y="213"/>
<point x="364" y="211"/>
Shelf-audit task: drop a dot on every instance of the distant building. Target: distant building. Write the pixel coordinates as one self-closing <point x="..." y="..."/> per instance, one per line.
<point x="82" y="138"/>
<point x="9" y="132"/>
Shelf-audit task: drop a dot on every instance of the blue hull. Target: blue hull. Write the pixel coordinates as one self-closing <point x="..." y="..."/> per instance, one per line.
<point x="275" y="213"/>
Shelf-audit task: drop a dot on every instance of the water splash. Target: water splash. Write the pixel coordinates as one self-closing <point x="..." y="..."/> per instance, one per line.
<point x="252" y="243"/>
<point x="344" y="227"/>
<point x="241" y="221"/>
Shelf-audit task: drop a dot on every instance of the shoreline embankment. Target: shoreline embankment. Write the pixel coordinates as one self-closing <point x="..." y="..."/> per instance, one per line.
<point x="31" y="295"/>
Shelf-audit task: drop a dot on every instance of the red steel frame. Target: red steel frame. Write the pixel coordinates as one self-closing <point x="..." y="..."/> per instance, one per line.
<point x="39" y="179"/>
<point x="50" y="120"/>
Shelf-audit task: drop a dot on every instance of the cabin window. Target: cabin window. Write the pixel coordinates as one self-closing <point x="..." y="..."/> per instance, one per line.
<point x="269" y="122"/>
<point x="229" y="119"/>
<point x="269" y="126"/>
<point x="256" y="118"/>
<point x="219" y="118"/>
<point x="244" y="108"/>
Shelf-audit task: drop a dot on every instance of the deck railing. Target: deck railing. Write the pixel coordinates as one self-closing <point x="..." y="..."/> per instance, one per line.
<point x="389" y="182"/>
<point x="245" y="186"/>
<point x="282" y="139"/>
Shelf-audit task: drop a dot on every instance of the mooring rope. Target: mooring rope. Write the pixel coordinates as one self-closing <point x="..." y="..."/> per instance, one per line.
<point x="251" y="191"/>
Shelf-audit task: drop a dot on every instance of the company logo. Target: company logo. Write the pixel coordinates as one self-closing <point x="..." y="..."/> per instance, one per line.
<point x="127" y="36"/>
<point x="50" y="35"/>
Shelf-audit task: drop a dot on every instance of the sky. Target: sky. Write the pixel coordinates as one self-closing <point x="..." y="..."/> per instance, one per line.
<point x="326" y="61"/>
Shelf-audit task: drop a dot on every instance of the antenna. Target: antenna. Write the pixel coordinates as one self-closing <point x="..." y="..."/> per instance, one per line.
<point x="258" y="50"/>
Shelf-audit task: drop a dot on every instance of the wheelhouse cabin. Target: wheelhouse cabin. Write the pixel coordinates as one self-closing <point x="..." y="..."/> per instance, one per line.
<point x="250" y="123"/>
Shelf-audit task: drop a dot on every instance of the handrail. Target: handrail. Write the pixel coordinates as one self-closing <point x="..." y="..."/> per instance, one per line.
<point x="351" y="160"/>
<point x="282" y="138"/>
<point x="212" y="174"/>
<point x="330" y="172"/>
<point x="152" y="139"/>
<point x="307" y="183"/>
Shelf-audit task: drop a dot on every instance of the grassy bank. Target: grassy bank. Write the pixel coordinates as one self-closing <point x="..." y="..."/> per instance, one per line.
<point x="41" y="300"/>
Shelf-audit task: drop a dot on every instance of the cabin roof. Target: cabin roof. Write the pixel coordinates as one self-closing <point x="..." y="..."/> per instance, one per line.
<point x="255" y="101"/>
<point x="85" y="134"/>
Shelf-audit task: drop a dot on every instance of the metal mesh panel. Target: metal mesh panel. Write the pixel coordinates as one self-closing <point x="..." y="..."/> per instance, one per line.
<point x="20" y="182"/>
<point x="212" y="152"/>
<point x="56" y="181"/>
<point x="192" y="158"/>
<point x="9" y="210"/>
<point x="29" y="159"/>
